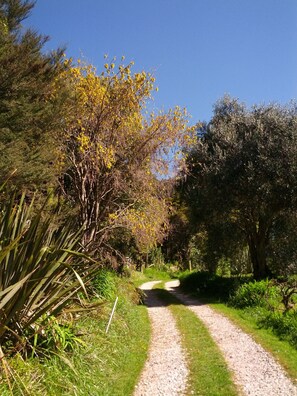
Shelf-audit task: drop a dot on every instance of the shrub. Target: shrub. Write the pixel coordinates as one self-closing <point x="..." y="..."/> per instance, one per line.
<point x="283" y="325"/>
<point x="255" y="294"/>
<point x="195" y="281"/>
<point x="105" y="284"/>
<point x="288" y="292"/>
<point x="52" y="334"/>
<point x="207" y="284"/>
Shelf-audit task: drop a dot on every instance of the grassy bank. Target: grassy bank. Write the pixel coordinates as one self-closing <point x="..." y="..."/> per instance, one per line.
<point x="246" y="319"/>
<point x="107" y="364"/>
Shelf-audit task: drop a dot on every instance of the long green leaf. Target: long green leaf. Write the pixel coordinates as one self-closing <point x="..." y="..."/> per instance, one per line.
<point x="15" y="288"/>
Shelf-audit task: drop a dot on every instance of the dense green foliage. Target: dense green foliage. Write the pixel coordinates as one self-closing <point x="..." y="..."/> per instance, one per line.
<point x="205" y="283"/>
<point x="241" y="178"/>
<point x="254" y="294"/>
<point x="104" y="284"/>
<point x="41" y="269"/>
<point x="284" y="326"/>
<point x="28" y="115"/>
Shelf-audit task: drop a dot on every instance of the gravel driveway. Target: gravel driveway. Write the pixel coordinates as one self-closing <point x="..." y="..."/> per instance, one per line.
<point x="165" y="372"/>
<point x="255" y="371"/>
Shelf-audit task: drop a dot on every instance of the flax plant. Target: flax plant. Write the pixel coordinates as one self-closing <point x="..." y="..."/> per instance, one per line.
<point x="41" y="269"/>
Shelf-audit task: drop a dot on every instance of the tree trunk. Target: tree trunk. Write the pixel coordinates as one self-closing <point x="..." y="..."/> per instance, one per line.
<point x="258" y="259"/>
<point x="257" y="246"/>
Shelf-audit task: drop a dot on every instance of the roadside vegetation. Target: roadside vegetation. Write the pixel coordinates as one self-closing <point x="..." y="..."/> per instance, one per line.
<point x="100" y="363"/>
<point x="266" y="309"/>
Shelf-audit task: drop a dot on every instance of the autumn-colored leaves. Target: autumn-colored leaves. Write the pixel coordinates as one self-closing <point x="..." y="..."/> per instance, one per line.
<point x="114" y="149"/>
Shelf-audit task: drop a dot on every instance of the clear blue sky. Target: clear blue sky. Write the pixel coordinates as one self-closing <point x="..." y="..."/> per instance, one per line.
<point x="198" y="49"/>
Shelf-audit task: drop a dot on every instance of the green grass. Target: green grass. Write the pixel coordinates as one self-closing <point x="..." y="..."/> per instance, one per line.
<point x="246" y="319"/>
<point x="209" y="375"/>
<point x="149" y="274"/>
<point x="215" y="292"/>
<point x="109" y="365"/>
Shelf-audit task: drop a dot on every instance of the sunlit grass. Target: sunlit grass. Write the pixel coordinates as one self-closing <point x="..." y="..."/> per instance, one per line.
<point x="149" y="274"/>
<point x="108" y="364"/>
<point x="283" y="352"/>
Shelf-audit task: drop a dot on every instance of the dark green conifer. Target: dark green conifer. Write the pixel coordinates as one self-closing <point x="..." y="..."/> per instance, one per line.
<point x="28" y="117"/>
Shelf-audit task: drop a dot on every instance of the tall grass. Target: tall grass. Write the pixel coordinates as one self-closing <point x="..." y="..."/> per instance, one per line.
<point x="105" y="365"/>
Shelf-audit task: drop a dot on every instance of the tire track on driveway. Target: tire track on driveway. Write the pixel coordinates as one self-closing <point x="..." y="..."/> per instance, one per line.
<point x="165" y="372"/>
<point x="255" y="371"/>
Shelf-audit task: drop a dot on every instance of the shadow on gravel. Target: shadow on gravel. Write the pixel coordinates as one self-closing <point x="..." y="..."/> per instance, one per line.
<point x="163" y="298"/>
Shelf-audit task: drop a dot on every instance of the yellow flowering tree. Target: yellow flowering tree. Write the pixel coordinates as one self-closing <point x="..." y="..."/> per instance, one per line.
<point x="114" y="149"/>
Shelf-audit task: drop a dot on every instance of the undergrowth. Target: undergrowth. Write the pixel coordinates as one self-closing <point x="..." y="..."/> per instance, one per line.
<point x="103" y="364"/>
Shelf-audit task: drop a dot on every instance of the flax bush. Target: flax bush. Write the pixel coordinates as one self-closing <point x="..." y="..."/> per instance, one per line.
<point x="41" y="269"/>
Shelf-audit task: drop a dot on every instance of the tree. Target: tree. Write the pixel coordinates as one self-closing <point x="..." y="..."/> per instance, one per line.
<point x="176" y="244"/>
<point x="282" y="249"/>
<point x="113" y="151"/>
<point x="243" y="169"/>
<point x="28" y="114"/>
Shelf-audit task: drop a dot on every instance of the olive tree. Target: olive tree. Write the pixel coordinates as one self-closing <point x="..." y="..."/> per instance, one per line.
<point x="243" y="169"/>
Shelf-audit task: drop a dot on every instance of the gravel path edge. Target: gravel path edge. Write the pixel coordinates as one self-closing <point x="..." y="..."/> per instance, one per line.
<point x="255" y="371"/>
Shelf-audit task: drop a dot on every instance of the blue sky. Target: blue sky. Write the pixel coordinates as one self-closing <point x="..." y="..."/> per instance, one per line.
<point x="198" y="50"/>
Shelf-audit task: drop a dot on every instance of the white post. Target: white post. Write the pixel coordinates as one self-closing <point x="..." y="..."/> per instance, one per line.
<point x="111" y="316"/>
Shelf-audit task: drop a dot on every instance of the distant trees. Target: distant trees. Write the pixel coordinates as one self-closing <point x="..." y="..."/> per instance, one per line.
<point x="84" y="135"/>
<point x="90" y="137"/>
<point x="243" y="171"/>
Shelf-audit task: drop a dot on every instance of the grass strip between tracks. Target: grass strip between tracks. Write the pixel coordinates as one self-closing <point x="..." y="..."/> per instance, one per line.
<point x="208" y="372"/>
